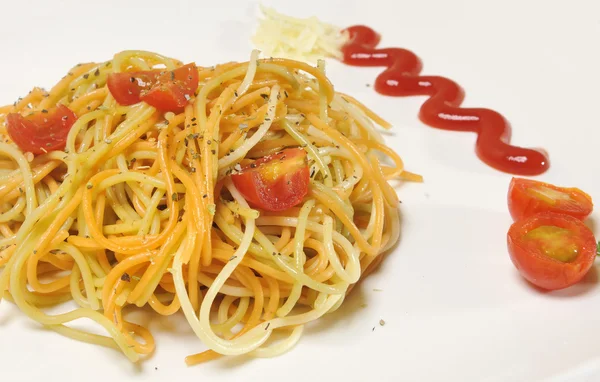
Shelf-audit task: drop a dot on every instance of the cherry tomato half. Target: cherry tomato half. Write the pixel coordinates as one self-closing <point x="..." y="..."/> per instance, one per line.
<point x="126" y="87"/>
<point x="275" y="182"/>
<point x="550" y="250"/>
<point x="173" y="89"/>
<point x="165" y="90"/>
<point x="528" y="197"/>
<point x="42" y="131"/>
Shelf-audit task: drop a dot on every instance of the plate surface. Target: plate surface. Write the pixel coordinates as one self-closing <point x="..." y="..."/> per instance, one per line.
<point x="454" y="306"/>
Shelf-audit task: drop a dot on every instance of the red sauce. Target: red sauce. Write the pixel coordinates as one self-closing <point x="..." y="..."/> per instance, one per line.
<point x="442" y="110"/>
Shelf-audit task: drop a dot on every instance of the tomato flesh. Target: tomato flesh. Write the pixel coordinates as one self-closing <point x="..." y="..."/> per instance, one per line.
<point x="165" y="90"/>
<point x="276" y="182"/>
<point x="529" y="197"/>
<point x="550" y="250"/>
<point x="555" y="242"/>
<point x="43" y="131"/>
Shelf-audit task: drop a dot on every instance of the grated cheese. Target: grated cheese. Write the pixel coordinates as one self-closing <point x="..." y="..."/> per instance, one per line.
<point x="308" y="39"/>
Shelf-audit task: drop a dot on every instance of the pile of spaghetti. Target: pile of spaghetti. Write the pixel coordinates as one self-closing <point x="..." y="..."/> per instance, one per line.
<point x="112" y="202"/>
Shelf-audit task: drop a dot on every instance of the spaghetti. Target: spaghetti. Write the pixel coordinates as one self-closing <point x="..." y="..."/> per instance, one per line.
<point x="139" y="208"/>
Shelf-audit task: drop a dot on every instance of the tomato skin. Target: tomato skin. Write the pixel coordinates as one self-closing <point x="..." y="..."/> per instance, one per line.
<point x="542" y="270"/>
<point x="126" y="87"/>
<point x="285" y="191"/>
<point x="185" y="77"/>
<point x="173" y="89"/>
<point x="165" y="97"/>
<point x="524" y="201"/>
<point x="41" y="132"/>
<point x="165" y="90"/>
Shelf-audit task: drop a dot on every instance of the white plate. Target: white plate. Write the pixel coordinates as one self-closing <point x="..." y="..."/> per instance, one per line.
<point x="453" y="304"/>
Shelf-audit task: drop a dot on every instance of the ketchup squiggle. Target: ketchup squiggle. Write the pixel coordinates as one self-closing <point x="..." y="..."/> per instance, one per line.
<point x="442" y="110"/>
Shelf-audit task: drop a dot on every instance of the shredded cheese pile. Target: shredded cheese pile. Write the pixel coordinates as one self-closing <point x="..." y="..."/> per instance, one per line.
<point x="306" y="40"/>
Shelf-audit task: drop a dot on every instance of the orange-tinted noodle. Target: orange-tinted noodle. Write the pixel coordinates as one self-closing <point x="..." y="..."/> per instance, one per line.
<point x="139" y="209"/>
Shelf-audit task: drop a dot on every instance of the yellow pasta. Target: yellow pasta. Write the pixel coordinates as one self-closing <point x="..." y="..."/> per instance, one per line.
<point x="139" y="209"/>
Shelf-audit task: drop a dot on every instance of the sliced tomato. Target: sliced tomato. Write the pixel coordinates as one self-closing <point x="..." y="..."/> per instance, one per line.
<point x="173" y="89"/>
<point x="550" y="250"/>
<point x="126" y="87"/>
<point x="42" y="131"/>
<point x="529" y="197"/>
<point x="275" y="182"/>
<point x="165" y="90"/>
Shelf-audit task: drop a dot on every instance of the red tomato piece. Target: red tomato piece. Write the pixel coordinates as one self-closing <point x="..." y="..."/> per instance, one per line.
<point x="42" y="131"/>
<point x="529" y="197"/>
<point x="165" y="90"/>
<point x="275" y="182"/>
<point x="173" y="89"/>
<point x="126" y="87"/>
<point x="165" y="97"/>
<point x="550" y="250"/>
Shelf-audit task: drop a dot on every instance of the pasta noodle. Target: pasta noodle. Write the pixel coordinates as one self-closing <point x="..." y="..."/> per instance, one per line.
<point x="139" y="208"/>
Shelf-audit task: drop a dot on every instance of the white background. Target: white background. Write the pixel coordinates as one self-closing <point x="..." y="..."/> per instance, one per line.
<point x="454" y="306"/>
